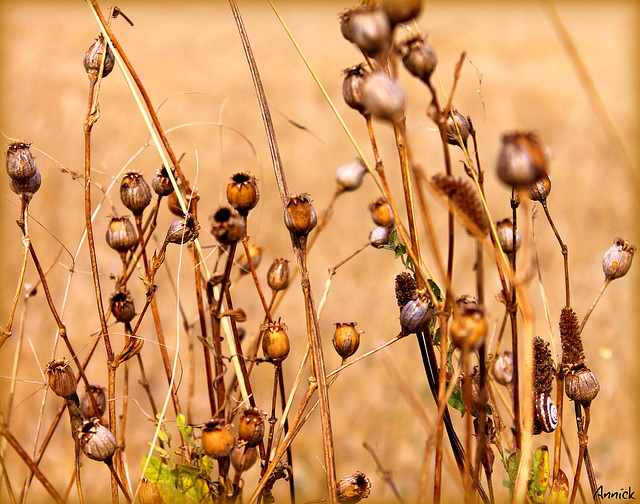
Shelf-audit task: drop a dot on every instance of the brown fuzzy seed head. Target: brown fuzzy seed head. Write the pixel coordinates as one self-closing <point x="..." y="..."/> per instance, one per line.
<point x="542" y="367"/>
<point x="464" y="196"/>
<point x="406" y="288"/>
<point x="572" y="350"/>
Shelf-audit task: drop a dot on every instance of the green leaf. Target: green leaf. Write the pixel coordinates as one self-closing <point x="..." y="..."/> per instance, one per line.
<point x="436" y="290"/>
<point x="511" y="465"/>
<point x="539" y="476"/>
<point x="161" y="451"/>
<point x="181" y="420"/>
<point x="163" y="435"/>
<point x="455" y="401"/>
<point x="436" y="337"/>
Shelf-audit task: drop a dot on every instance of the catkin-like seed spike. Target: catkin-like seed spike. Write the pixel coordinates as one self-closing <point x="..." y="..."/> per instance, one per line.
<point x="464" y="196"/>
<point x="406" y="288"/>
<point x="542" y="367"/>
<point x="572" y="350"/>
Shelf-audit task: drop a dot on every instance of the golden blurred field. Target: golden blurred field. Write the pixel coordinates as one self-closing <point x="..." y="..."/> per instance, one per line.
<point x="189" y="57"/>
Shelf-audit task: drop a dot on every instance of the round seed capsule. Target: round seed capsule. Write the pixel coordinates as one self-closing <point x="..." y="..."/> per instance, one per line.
<point x="217" y="441"/>
<point x="617" y="260"/>
<point x="581" y="385"/>
<point x="149" y="493"/>
<point x="469" y="326"/>
<point x="21" y="165"/>
<point x="61" y="378"/>
<point x="242" y="192"/>
<point x="135" y="193"/>
<point x="503" y="368"/>
<point x="161" y="182"/>
<point x="368" y="27"/>
<point x="251" y="426"/>
<point x="418" y="57"/>
<point x="227" y="225"/>
<point x="354" y="80"/>
<point x="354" y="488"/>
<point x="346" y="339"/>
<point x="278" y="274"/>
<point x="383" y="97"/>
<point x="541" y="188"/>
<point x="522" y="159"/>
<point x="457" y="128"/>
<point x="349" y="176"/>
<point x="243" y="457"/>
<point x="504" y="229"/>
<point x="100" y="396"/>
<point x="94" y="54"/>
<point x="28" y="188"/>
<point x="401" y="11"/>
<point x="122" y="307"/>
<point x="121" y="235"/>
<point x="183" y="230"/>
<point x="275" y="342"/>
<point x="300" y="217"/>
<point x="417" y="315"/>
<point x="379" y="236"/>
<point x="97" y="441"/>
<point x="381" y="213"/>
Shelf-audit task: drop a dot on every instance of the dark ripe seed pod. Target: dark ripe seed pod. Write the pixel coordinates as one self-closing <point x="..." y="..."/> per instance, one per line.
<point x="217" y="441"/>
<point x="522" y="159"/>
<point x="251" y="426"/>
<point x="406" y="288"/>
<point x="543" y="367"/>
<point x="381" y="213"/>
<point x="457" y="128"/>
<point x="29" y="188"/>
<point x="383" y="97"/>
<point x="275" y="342"/>
<point x="122" y="307"/>
<point x="242" y="192"/>
<point x="174" y="205"/>
<point x="503" y="368"/>
<point x="255" y="252"/>
<point x="581" y="385"/>
<point x="149" y="493"/>
<point x="21" y="165"/>
<point x="100" y="396"/>
<point x="135" y="193"/>
<point x="183" y="230"/>
<point x="354" y="488"/>
<point x="227" y="225"/>
<point x="417" y="315"/>
<point x="349" y="176"/>
<point x="617" y="260"/>
<point x="243" y="457"/>
<point x="401" y="11"/>
<point x="545" y="414"/>
<point x="94" y="54"/>
<point x="278" y="274"/>
<point x="300" y="217"/>
<point x="121" y="235"/>
<point x="97" y="441"/>
<point x="379" y="236"/>
<point x="504" y="230"/>
<point x="540" y="189"/>
<point x="346" y="339"/>
<point x="161" y="182"/>
<point x="469" y="326"/>
<point x="418" y="57"/>
<point x="61" y="378"/>
<point x="572" y="349"/>
<point x="368" y="27"/>
<point x="354" y="80"/>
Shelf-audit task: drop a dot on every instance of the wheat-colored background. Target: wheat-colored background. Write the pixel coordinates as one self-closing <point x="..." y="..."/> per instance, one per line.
<point x="517" y="76"/>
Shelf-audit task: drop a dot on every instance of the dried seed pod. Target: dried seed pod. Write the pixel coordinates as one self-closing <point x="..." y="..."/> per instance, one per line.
<point x="217" y="441"/>
<point x="354" y="80"/>
<point x="122" y="307"/>
<point x="546" y="414"/>
<point x="379" y="236"/>
<point x="251" y="426"/>
<point x="543" y="368"/>
<point x="418" y="57"/>
<point x="174" y="205"/>
<point x="504" y="230"/>
<point x="477" y="402"/>
<point x="367" y="27"/>
<point x="149" y="493"/>
<point x="349" y="176"/>
<point x="28" y="188"/>
<point x="457" y="128"/>
<point x="278" y="274"/>
<point x="255" y="252"/>
<point x="469" y="326"/>
<point x="540" y="189"/>
<point x="243" y="457"/>
<point x="406" y="288"/>
<point x="161" y="182"/>
<point x="463" y="194"/>
<point x="346" y="339"/>
<point x="135" y="193"/>
<point x="100" y="396"/>
<point x="383" y="97"/>
<point x="242" y="192"/>
<point x="61" y="378"/>
<point x="94" y="54"/>
<point x="183" y="230"/>
<point x="227" y="225"/>
<point x="381" y="213"/>
<point x="581" y="385"/>
<point x="275" y="342"/>
<point x="354" y="488"/>
<point x="121" y="235"/>
<point x="572" y="350"/>
<point x="503" y="368"/>
<point x="617" y="260"/>
<point x="522" y="159"/>
<point x="21" y="165"/>
<point x="300" y="217"/>
<point x="401" y="11"/>
<point x="97" y="441"/>
<point x="416" y="315"/>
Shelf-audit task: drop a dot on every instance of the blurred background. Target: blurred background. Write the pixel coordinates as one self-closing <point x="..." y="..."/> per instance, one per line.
<point x="517" y="75"/>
